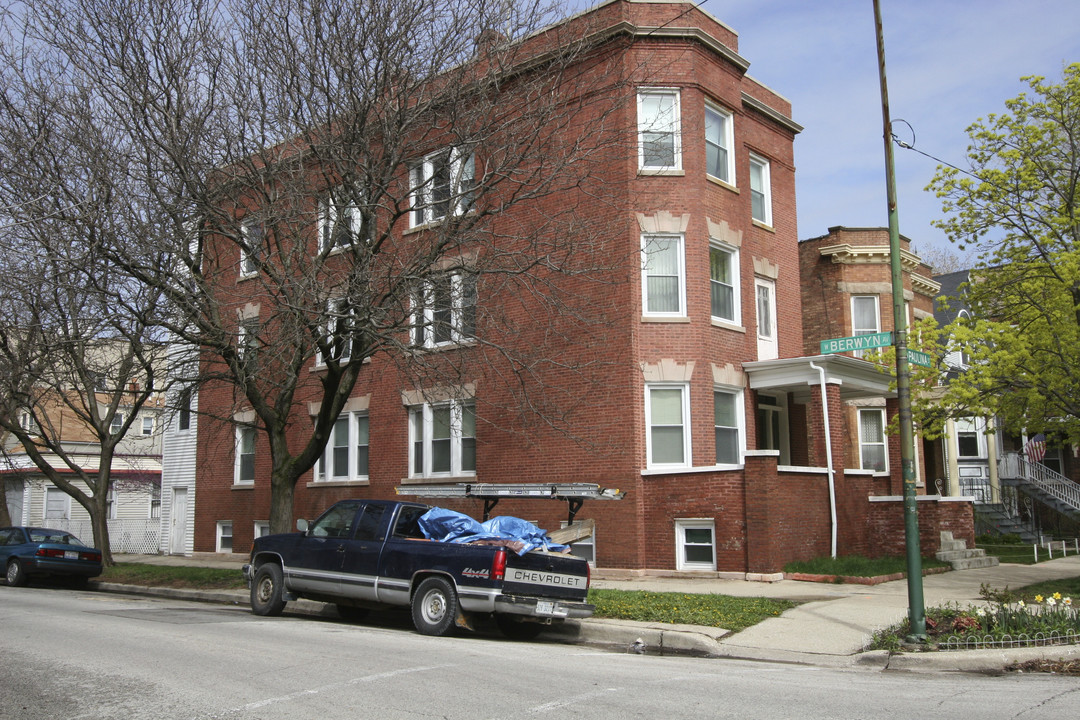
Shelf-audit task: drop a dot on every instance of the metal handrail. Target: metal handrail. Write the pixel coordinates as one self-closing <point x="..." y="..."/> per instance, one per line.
<point x="1042" y="477"/>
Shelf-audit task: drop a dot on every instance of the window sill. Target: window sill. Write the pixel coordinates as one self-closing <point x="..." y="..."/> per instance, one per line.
<point x="337" y="483"/>
<point x="728" y="325"/>
<point x="321" y="366"/>
<point x="687" y="470"/>
<point x="654" y="172"/>
<point x="441" y="347"/>
<point x="663" y="319"/>
<point x="246" y="276"/>
<point x="722" y="183"/>
<point x="243" y="486"/>
<point x="442" y="480"/>
<point x="764" y="226"/>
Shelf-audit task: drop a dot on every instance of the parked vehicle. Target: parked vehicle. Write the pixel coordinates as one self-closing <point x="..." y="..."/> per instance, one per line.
<point x="364" y="554"/>
<point x="40" y="552"/>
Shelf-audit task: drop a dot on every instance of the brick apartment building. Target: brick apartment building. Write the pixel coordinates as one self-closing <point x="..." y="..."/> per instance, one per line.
<point x="708" y="411"/>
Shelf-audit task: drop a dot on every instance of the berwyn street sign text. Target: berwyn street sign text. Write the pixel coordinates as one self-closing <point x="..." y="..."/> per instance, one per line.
<point x="859" y="342"/>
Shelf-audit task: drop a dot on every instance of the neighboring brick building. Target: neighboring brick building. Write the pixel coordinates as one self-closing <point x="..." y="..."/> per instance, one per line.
<point x="709" y="417"/>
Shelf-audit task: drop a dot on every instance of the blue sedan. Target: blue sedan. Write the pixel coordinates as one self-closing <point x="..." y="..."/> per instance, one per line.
<point x="39" y="552"/>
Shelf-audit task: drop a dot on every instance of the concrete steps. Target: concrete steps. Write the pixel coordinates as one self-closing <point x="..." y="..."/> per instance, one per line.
<point x="960" y="556"/>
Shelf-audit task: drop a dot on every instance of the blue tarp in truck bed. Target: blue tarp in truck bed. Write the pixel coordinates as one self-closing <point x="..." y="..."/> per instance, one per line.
<point x="451" y="526"/>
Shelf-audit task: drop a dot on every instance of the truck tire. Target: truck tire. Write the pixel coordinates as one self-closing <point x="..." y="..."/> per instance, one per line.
<point x="435" y="607"/>
<point x="516" y="629"/>
<point x="266" y="590"/>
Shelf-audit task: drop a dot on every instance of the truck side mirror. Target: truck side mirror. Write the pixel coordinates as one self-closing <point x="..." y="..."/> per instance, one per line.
<point x="302" y="525"/>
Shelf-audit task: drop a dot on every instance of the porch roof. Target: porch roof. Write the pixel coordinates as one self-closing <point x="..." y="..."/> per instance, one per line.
<point x="856" y="378"/>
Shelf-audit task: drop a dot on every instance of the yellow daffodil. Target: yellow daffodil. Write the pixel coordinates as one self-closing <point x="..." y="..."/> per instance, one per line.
<point x="1038" y="598"/>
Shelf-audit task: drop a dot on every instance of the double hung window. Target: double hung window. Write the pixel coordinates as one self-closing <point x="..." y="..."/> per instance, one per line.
<point x="253" y="237"/>
<point x="695" y="541"/>
<point x="340" y="331"/>
<point x="443" y="439"/>
<point x="345" y="458"/>
<point x="444" y="310"/>
<point x="724" y="283"/>
<point x="873" y="454"/>
<point x="340" y="220"/>
<point x="718" y="143"/>
<point x="760" y="190"/>
<point x="244" y="470"/>
<point x="865" y="317"/>
<point x="727" y="422"/>
<point x="659" y="142"/>
<point x="663" y="276"/>
<point x="442" y="184"/>
<point x="667" y="407"/>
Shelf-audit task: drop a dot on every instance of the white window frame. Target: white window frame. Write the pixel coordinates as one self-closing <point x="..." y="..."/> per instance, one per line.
<point x="221" y="535"/>
<point x="247" y="338"/>
<point x="764" y="191"/>
<point x="241" y="430"/>
<point x="326" y="469"/>
<point x="330" y="206"/>
<point x="461" y="325"/>
<point x="261" y="528"/>
<point x="736" y="294"/>
<point x="421" y="431"/>
<point x="460" y="187"/>
<point x="767" y="324"/>
<point x="973" y="425"/>
<point x="110" y="504"/>
<point x="249" y="251"/>
<point x="29" y="423"/>
<point x="184" y="412"/>
<point x="883" y="443"/>
<point x="727" y="143"/>
<point x="147" y="425"/>
<point x="681" y="526"/>
<point x="672" y="126"/>
<point x="335" y="314"/>
<point x="684" y="424"/>
<point x="155" y="502"/>
<point x="740" y="421"/>
<point x="117" y="423"/>
<point x="647" y="241"/>
<point x="65" y="500"/>
<point x="858" y="331"/>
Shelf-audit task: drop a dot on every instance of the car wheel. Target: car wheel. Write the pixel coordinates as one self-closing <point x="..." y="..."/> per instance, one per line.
<point x="435" y="607"/>
<point x="351" y="613"/>
<point x="516" y="629"/>
<point x="16" y="576"/>
<point x="266" y="590"/>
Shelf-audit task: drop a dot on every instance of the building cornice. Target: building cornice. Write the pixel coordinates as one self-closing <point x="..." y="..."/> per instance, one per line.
<point x="924" y="285"/>
<point x="778" y="117"/>
<point x="846" y="254"/>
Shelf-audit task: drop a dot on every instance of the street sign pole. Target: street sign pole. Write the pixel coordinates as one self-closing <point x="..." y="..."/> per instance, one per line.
<point x="916" y="607"/>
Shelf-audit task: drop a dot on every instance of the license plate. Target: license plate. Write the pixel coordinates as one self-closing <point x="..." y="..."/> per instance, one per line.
<point x="71" y="555"/>
<point x="544" y="607"/>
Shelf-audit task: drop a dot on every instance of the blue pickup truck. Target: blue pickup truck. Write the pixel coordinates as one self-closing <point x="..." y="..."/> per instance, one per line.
<point x="366" y="554"/>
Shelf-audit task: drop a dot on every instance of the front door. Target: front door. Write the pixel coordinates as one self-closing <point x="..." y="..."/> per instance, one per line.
<point x="765" y="290"/>
<point x="178" y="521"/>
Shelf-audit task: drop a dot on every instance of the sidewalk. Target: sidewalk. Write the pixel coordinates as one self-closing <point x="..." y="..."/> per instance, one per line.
<point x="830" y="627"/>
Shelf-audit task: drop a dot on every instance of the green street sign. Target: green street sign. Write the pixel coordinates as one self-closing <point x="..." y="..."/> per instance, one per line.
<point x="859" y="342"/>
<point x="918" y="358"/>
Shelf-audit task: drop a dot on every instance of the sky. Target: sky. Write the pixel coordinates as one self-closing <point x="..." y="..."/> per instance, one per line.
<point x="949" y="63"/>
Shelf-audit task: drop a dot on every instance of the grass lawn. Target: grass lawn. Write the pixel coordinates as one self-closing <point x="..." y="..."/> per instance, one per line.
<point x="858" y="566"/>
<point x="173" y="576"/>
<point x="1011" y="549"/>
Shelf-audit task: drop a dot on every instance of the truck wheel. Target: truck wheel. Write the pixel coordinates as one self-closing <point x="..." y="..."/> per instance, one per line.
<point x="435" y="607"/>
<point x="516" y="629"/>
<point x="266" y="590"/>
<point x="351" y="613"/>
<point x="16" y="576"/>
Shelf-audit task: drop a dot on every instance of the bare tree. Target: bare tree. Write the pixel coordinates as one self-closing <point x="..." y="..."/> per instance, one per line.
<point x="326" y="182"/>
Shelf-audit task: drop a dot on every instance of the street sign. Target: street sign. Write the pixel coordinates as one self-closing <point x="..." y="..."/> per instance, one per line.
<point x="918" y="358"/>
<point x="859" y="342"/>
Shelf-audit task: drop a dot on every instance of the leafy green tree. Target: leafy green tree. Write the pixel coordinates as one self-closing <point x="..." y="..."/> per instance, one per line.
<point x="1018" y="205"/>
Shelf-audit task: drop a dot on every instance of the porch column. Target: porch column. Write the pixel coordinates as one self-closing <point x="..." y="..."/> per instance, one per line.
<point x="952" y="449"/>
<point x="991" y="451"/>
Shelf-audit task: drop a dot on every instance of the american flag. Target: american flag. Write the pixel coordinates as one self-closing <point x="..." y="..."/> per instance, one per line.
<point x="1035" y="448"/>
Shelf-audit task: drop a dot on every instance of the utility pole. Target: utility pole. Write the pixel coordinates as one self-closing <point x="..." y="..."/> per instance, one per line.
<point x="916" y="607"/>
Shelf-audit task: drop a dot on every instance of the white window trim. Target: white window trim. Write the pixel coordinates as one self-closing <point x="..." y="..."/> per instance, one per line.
<point x="677" y="130"/>
<point x="740" y="418"/>
<point x="117" y="423"/>
<point x="687" y="454"/>
<point x="240" y="428"/>
<point x="681" y="526"/>
<point x="219" y="534"/>
<point x="185" y="404"/>
<point x="328" y="219"/>
<point x="865" y="331"/>
<point x="766" y="190"/>
<point x="147" y="431"/>
<point x="334" y="315"/>
<point x="258" y="527"/>
<point x="978" y="427"/>
<point x="462" y="169"/>
<point x="884" y="438"/>
<point x="353" y="444"/>
<point x="736" y="283"/>
<point x="424" y="314"/>
<point x="645" y="240"/>
<point x="67" y="504"/>
<point x="248" y="267"/>
<point x="729" y="142"/>
<point x="425" y="412"/>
